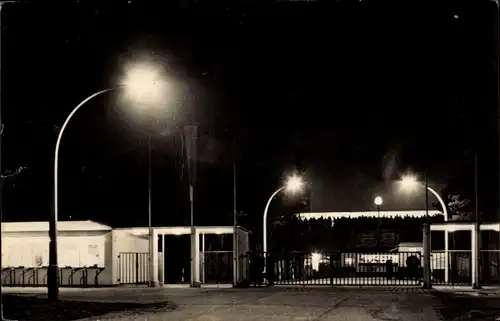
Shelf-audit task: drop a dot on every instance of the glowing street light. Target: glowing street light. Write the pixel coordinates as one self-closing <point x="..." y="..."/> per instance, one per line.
<point x="143" y="84"/>
<point x="378" y="201"/>
<point x="293" y="185"/>
<point x="410" y="183"/>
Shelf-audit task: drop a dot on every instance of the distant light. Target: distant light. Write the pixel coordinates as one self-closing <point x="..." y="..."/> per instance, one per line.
<point x="456" y="16"/>
<point x="315" y="259"/>
<point x="378" y="201"/>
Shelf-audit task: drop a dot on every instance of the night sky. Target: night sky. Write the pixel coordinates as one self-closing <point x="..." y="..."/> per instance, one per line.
<point x="351" y="94"/>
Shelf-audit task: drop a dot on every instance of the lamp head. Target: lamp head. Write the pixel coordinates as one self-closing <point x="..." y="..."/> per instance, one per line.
<point x="294" y="184"/>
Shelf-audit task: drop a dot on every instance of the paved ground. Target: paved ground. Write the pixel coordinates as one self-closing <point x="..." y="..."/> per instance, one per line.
<point x="311" y="303"/>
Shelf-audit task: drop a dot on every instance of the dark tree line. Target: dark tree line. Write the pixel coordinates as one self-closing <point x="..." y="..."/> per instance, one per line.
<point x="344" y="233"/>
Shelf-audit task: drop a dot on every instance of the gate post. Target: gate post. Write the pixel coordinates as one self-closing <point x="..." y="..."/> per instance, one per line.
<point x="427" y="256"/>
<point x="475" y="233"/>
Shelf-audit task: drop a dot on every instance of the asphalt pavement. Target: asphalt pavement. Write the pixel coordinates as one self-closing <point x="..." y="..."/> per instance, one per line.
<point x="306" y="303"/>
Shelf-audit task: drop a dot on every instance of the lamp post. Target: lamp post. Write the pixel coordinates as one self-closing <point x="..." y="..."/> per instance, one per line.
<point x="2" y="3"/>
<point x="378" y="201"/>
<point x="141" y="81"/>
<point x="294" y="185"/>
<point x="409" y="183"/>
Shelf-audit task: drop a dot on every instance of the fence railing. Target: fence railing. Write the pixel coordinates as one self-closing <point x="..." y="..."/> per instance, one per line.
<point x="490" y="267"/>
<point x="334" y="268"/>
<point x="217" y="267"/>
<point x="459" y="267"/>
<point x="133" y="268"/>
<point x="37" y="276"/>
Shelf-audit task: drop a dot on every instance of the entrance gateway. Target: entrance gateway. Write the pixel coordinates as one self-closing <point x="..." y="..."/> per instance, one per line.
<point x="182" y="257"/>
<point x="403" y="266"/>
<point x="475" y="265"/>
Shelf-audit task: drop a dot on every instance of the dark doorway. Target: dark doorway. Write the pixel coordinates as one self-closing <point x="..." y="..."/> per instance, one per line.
<point x="177" y="259"/>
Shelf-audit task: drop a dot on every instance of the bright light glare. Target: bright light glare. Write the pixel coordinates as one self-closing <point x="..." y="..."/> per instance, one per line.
<point x="378" y="201"/>
<point x="409" y="182"/>
<point x="145" y="84"/>
<point x="315" y="259"/>
<point x="294" y="184"/>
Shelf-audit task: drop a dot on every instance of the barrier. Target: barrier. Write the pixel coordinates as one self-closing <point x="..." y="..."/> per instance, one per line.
<point x="37" y="276"/>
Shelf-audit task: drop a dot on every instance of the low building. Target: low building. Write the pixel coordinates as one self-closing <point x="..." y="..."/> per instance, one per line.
<point x="93" y="254"/>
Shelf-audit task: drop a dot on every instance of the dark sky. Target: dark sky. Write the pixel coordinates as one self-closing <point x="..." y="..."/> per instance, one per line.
<point x="349" y="93"/>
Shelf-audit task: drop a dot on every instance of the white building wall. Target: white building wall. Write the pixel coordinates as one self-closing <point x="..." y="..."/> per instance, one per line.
<point x="31" y="249"/>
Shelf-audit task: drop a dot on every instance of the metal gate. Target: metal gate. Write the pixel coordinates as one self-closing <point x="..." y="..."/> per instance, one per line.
<point x="357" y="269"/>
<point x="217" y="267"/>
<point x="133" y="268"/>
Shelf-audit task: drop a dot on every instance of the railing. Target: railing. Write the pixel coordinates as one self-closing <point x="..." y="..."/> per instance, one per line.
<point x="459" y="267"/>
<point x="37" y="276"/>
<point x="217" y="267"/>
<point x="335" y="268"/>
<point x="490" y="267"/>
<point x="133" y="268"/>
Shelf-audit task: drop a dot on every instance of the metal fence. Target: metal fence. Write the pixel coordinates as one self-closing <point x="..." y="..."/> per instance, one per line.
<point x="459" y="267"/>
<point x="369" y="269"/>
<point x="489" y="270"/>
<point x="37" y="276"/>
<point x="133" y="268"/>
<point x="217" y="267"/>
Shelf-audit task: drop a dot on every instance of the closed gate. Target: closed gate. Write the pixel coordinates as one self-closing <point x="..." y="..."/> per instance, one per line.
<point x="217" y="267"/>
<point x="133" y="268"/>
<point x="369" y="269"/>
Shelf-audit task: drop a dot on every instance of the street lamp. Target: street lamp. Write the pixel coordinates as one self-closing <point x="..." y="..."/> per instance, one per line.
<point x="293" y="185"/>
<point x="378" y="201"/>
<point x="143" y="84"/>
<point x="409" y="183"/>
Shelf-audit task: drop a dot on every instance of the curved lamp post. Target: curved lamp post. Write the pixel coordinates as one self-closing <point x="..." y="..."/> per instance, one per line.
<point x="138" y="84"/>
<point x="410" y="182"/>
<point x="294" y="185"/>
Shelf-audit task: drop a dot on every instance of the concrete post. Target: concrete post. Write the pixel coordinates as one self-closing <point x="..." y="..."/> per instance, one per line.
<point x="195" y="254"/>
<point x="475" y="256"/>
<point x="427" y="256"/>
<point x="446" y="258"/>
<point x="235" y="256"/>
<point x="154" y="262"/>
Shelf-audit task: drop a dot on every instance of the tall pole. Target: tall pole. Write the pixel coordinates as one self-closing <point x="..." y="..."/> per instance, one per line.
<point x="1" y="132"/>
<point x="150" y="219"/>
<point x="476" y="187"/>
<point x="426" y="198"/>
<point x="378" y="224"/>
<point x="477" y="230"/>
<point x="52" y="280"/>
<point x="191" y="133"/>
<point x="497" y="35"/>
<point x="264" y="221"/>
<point x="235" y="221"/>
<point x="427" y="235"/>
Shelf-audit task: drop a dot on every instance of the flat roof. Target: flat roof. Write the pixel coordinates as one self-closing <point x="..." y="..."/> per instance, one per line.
<point x="62" y="226"/>
<point x="183" y="230"/>
<point x="390" y="214"/>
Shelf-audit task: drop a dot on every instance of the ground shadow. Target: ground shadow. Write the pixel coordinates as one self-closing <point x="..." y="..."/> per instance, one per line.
<point x="467" y="307"/>
<point x="30" y="308"/>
